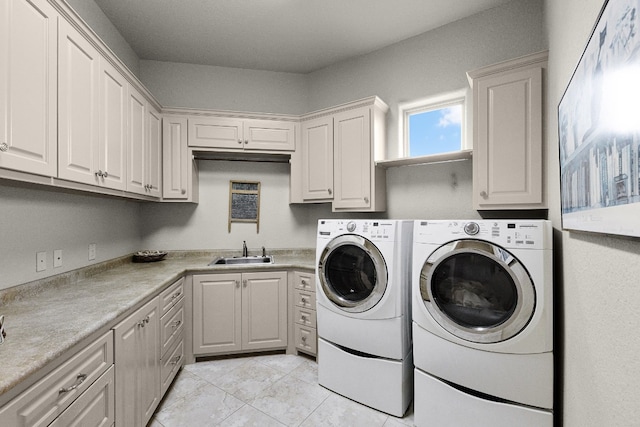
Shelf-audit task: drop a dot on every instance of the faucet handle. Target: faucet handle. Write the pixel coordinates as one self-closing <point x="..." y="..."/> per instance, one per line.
<point x="264" y="252"/>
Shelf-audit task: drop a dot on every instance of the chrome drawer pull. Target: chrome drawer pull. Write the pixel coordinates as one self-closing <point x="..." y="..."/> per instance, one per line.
<point x="175" y="360"/>
<point x="79" y="380"/>
<point x="176" y="295"/>
<point x="176" y="323"/>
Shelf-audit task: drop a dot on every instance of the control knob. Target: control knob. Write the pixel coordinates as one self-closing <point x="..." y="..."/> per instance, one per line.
<point x="351" y="226"/>
<point x="471" y="228"/>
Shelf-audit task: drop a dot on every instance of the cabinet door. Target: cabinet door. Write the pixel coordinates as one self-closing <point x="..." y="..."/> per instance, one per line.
<point x="28" y="86"/>
<point x="137" y="364"/>
<point x="264" y="310"/>
<point x="269" y="135"/>
<point x="136" y="164"/>
<point x="78" y="80"/>
<point x="352" y="159"/>
<point x="216" y="313"/>
<point x="508" y="144"/>
<point x="154" y="152"/>
<point x="175" y="158"/>
<point x="113" y="127"/>
<point x="317" y="159"/>
<point x="211" y="132"/>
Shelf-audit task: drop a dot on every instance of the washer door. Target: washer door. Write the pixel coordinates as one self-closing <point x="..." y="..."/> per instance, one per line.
<point x="477" y="291"/>
<point x="352" y="273"/>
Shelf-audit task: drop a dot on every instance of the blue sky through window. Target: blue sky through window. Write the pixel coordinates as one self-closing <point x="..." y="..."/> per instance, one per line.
<point x="435" y="131"/>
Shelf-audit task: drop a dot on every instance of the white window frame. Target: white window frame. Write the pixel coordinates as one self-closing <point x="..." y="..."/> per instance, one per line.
<point x="435" y="102"/>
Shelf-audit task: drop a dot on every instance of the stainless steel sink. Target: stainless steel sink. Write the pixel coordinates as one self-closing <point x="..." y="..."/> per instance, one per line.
<point x="267" y="259"/>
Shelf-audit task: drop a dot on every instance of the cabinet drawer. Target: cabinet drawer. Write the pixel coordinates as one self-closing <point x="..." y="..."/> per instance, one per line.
<point x="304" y="281"/>
<point x="171" y="295"/>
<point x="171" y="365"/>
<point x="304" y="316"/>
<point x="304" y="299"/>
<point x="44" y="401"/>
<point x="306" y="339"/>
<point x="171" y="326"/>
<point x="94" y="407"/>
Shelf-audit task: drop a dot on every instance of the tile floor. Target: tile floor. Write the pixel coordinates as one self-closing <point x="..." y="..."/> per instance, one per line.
<point x="262" y="391"/>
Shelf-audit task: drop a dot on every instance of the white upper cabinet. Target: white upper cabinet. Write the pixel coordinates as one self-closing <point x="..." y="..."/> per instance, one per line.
<point x="79" y="75"/>
<point x="352" y="159"/>
<point x="336" y="158"/>
<point x="144" y="168"/>
<point x="179" y="175"/>
<point x="28" y="81"/>
<point x="317" y="159"/>
<point x="507" y="130"/>
<point x="112" y="147"/>
<point x="241" y="134"/>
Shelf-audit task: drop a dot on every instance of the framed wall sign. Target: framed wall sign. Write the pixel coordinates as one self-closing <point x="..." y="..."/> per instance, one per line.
<point x="599" y="128"/>
<point x="244" y="202"/>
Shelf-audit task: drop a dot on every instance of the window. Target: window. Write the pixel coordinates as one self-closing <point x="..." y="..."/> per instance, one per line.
<point x="434" y="125"/>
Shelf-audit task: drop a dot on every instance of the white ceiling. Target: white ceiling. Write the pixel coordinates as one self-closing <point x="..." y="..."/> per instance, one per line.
<point x="297" y="36"/>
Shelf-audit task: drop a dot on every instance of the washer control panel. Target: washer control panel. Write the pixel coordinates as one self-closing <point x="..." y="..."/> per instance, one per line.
<point x="533" y="234"/>
<point x="371" y="229"/>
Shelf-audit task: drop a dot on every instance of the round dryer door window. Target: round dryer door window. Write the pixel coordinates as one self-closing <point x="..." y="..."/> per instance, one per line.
<point x="477" y="291"/>
<point x="352" y="273"/>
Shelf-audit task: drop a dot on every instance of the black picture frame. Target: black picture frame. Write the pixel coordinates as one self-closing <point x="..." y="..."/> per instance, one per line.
<point x="599" y="128"/>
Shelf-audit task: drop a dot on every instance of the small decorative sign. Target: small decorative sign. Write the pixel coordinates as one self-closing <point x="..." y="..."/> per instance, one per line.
<point x="244" y="202"/>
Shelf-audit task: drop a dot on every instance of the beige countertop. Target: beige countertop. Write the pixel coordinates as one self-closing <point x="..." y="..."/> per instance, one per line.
<point x="47" y="319"/>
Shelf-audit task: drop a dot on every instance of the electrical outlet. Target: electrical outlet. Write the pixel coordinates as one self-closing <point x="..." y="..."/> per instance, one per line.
<point x="57" y="258"/>
<point x="41" y="261"/>
<point x="92" y="251"/>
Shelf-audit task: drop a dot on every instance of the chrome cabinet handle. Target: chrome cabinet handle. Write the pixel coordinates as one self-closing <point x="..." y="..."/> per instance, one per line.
<point x="244" y="283"/>
<point x="239" y="141"/>
<point x="4" y="147"/>
<point x="183" y="191"/>
<point x="304" y="300"/>
<point x="366" y="200"/>
<point x="304" y="282"/>
<point x="175" y="360"/>
<point x="105" y="174"/>
<point x="176" y="324"/>
<point x="79" y="380"/>
<point x="98" y="173"/>
<point x="246" y="141"/>
<point x="304" y="318"/>
<point x="176" y="295"/>
<point x="237" y="283"/>
<point x="329" y="191"/>
<point x="304" y="338"/>
<point x="483" y="194"/>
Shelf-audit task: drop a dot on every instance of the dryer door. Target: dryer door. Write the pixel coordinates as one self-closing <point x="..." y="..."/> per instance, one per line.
<point x="352" y="273"/>
<point x="477" y="291"/>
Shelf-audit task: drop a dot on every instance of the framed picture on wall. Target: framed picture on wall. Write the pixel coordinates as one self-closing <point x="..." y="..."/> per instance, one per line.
<point x="599" y="128"/>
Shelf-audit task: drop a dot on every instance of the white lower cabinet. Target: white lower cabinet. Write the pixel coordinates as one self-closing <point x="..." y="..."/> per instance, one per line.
<point x="137" y="365"/>
<point x="304" y="309"/>
<point x="239" y="312"/>
<point x="95" y="407"/>
<point x="81" y="387"/>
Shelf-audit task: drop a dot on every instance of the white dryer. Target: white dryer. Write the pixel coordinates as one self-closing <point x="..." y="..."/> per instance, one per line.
<point x="363" y="294"/>
<point x="483" y="323"/>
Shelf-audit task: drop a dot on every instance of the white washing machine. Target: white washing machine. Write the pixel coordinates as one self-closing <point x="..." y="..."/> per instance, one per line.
<point x="483" y="323"/>
<point x="363" y="297"/>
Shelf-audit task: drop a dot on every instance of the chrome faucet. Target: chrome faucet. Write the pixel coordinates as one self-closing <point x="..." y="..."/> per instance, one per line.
<point x="245" y="252"/>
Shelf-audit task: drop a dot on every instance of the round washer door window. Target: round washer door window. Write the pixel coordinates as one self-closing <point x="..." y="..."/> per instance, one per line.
<point x="352" y="273"/>
<point x="477" y="291"/>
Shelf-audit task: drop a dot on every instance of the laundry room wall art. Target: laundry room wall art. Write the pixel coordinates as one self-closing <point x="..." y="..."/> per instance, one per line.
<point x="599" y="128"/>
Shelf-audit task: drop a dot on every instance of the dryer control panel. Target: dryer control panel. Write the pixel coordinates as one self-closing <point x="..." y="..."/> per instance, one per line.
<point x="375" y="230"/>
<point x="530" y="234"/>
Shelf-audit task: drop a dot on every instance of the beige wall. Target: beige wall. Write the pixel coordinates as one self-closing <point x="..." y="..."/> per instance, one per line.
<point x="598" y="280"/>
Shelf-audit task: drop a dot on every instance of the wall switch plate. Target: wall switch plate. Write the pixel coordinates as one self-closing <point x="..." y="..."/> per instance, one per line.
<point x="41" y="261"/>
<point x="92" y="251"/>
<point x="57" y="258"/>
